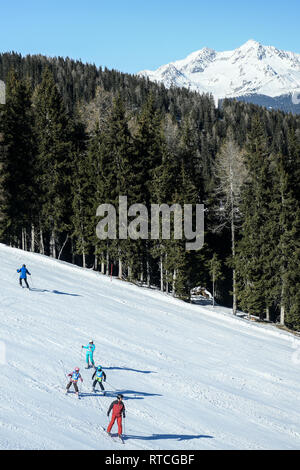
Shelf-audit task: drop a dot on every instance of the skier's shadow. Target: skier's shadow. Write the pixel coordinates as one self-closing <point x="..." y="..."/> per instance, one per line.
<point x="111" y="394"/>
<point x="86" y="394"/>
<point x="177" y="437"/>
<point x="98" y="395"/>
<point x="64" y="293"/>
<point x="137" y="395"/>
<point x="53" y="292"/>
<point x="131" y="370"/>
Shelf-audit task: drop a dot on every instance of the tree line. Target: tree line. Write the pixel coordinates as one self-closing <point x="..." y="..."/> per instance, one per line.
<point x="63" y="153"/>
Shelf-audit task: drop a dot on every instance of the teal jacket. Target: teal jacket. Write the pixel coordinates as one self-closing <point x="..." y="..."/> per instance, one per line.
<point x="90" y="348"/>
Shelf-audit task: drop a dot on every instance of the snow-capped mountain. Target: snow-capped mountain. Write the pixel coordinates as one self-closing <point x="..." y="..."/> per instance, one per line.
<point x="252" y="69"/>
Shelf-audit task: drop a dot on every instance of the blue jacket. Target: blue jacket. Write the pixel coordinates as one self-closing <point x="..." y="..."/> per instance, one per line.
<point x="100" y="375"/>
<point x="23" y="272"/>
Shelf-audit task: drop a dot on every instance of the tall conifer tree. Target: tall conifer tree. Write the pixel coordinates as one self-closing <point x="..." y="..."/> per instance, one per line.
<point x="17" y="163"/>
<point x="52" y="130"/>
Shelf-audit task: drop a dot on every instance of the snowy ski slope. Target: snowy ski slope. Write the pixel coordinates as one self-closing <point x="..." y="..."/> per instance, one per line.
<point x="193" y="377"/>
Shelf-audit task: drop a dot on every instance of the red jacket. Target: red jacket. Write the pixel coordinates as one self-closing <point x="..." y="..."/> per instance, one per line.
<point x="118" y="409"/>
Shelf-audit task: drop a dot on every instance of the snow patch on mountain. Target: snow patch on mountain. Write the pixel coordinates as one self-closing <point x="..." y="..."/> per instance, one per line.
<point x="250" y="69"/>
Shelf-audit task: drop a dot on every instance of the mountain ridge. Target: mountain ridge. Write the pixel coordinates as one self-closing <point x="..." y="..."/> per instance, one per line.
<point x="251" y="69"/>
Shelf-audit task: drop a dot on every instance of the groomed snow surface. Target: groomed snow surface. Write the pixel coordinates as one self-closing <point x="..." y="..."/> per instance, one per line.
<point x="193" y="377"/>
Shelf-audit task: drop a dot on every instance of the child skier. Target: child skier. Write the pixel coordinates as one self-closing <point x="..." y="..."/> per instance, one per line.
<point x="89" y="353"/>
<point x="74" y="377"/>
<point x="23" y="275"/>
<point x="100" y="377"/>
<point x="118" y="409"/>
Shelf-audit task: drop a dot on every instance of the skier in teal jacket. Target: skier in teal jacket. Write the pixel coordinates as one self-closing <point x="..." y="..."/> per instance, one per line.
<point x="90" y="348"/>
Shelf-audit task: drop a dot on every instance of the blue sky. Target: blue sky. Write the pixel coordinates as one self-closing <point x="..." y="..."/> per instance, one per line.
<point x="132" y="35"/>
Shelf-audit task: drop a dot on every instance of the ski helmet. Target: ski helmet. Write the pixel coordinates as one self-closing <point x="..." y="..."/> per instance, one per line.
<point x="119" y="396"/>
<point x="99" y="367"/>
<point x="91" y="341"/>
<point x="77" y="369"/>
<point x="24" y="265"/>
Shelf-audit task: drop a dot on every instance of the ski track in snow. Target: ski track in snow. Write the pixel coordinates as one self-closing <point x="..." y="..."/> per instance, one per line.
<point x="193" y="377"/>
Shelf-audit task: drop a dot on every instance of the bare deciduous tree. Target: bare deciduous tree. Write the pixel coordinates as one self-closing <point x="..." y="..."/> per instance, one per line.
<point x="230" y="173"/>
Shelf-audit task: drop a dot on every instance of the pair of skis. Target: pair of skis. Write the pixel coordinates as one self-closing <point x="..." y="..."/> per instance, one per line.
<point x="103" y="392"/>
<point x="68" y="393"/>
<point x="120" y="438"/>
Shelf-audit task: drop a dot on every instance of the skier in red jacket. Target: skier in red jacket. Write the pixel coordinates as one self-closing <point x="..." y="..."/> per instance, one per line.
<point x="118" y="410"/>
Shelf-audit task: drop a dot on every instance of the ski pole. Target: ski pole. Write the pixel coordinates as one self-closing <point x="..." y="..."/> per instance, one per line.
<point x="63" y="368"/>
<point x="111" y="386"/>
<point x="31" y="280"/>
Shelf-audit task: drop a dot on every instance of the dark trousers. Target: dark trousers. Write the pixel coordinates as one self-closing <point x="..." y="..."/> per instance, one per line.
<point x="25" y="280"/>
<point x="75" y="386"/>
<point x="100" y="383"/>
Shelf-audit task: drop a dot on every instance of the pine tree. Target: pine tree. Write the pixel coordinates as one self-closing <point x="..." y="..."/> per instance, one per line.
<point x="17" y="163"/>
<point x="99" y="176"/>
<point x="83" y="190"/>
<point x="149" y="151"/>
<point x="253" y="248"/>
<point x="163" y="183"/>
<point x="288" y="222"/>
<point x="52" y="130"/>
<point x="117" y="177"/>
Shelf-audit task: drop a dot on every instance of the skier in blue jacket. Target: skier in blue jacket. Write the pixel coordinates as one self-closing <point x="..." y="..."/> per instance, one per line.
<point x="23" y="275"/>
<point x="74" y="377"/>
<point x="100" y="377"/>
<point x="90" y="348"/>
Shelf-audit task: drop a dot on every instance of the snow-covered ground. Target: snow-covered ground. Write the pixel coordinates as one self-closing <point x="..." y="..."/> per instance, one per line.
<point x="193" y="377"/>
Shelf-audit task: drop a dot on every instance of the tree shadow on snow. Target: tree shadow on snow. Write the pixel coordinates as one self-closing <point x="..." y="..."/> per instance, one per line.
<point x="202" y="302"/>
<point x="131" y="370"/>
<point x="53" y="292"/>
<point x="177" y="437"/>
